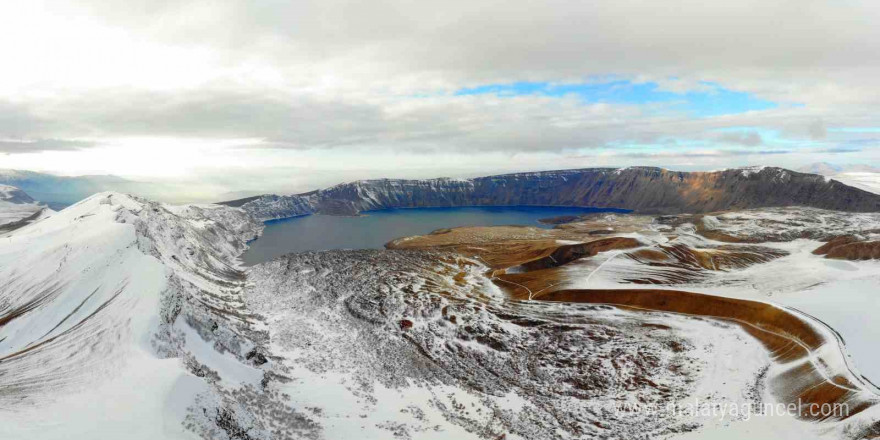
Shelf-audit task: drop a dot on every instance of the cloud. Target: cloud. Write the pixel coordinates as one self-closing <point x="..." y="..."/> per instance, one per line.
<point x="16" y="120"/>
<point x="840" y="150"/>
<point x="750" y="139"/>
<point x="484" y="42"/>
<point x="39" y="145"/>
<point x="267" y="119"/>
<point x="864" y="142"/>
<point x="705" y="154"/>
<point x="409" y="45"/>
<point x="346" y="80"/>
<point x="817" y="130"/>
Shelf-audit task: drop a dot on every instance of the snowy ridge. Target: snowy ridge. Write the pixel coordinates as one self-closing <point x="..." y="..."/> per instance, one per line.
<point x="17" y="209"/>
<point x="12" y="194"/>
<point x="121" y="311"/>
<point x="642" y="189"/>
<point x="270" y="207"/>
<point x="747" y="171"/>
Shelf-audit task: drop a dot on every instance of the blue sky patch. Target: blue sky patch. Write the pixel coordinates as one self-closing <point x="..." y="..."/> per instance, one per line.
<point x="713" y="100"/>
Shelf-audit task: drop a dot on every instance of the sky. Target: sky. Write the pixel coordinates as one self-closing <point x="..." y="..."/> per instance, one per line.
<point x="235" y="97"/>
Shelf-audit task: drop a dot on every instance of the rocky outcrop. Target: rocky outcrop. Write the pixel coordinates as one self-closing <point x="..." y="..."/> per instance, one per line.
<point x="835" y="242"/>
<point x="640" y="189"/>
<point x="850" y="250"/>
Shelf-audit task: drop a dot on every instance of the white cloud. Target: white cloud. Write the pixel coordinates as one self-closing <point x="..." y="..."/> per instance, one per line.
<point x="175" y="90"/>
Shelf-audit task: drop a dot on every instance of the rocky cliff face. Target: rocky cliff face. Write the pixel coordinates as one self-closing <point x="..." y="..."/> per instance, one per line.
<point x="641" y="189"/>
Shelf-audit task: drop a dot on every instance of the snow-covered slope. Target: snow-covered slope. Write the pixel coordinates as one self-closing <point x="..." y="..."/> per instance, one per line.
<point x="422" y="345"/>
<point x="125" y="318"/>
<point x="18" y="209"/>
<point x="753" y="267"/>
<point x="109" y="313"/>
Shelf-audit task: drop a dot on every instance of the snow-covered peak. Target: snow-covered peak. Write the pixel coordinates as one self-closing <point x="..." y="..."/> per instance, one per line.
<point x="12" y="194"/>
<point x="822" y="168"/>
<point x="117" y="303"/>
<point x="746" y="171"/>
<point x="775" y="173"/>
<point x="18" y="209"/>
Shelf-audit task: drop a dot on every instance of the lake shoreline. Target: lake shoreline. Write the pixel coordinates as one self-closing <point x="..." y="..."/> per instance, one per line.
<point x="372" y="229"/>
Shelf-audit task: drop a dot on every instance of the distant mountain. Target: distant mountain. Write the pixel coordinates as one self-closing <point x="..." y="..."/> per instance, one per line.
<point x="821" y="168"/>
<point x="861" y="176"/>
<point x="59" y="192"/>
<point x="12" y="195"/>
<point x="829" y="169"/>
<point x="18" y="209"/>
<point x="239" y="195"/>
<point x="641" y="189"/>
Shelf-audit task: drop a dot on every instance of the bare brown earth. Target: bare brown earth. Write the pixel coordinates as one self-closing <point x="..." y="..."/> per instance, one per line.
<point x="856" y="251"/>
<point x="835" y="242"/>
<point x="526" y="260"/>
<point x="688" y="264"/>
<point x="521" y="259"/>
<point x="716" y="235"/>
<point x="565" y="254"/>
<point x="521" y="262"/>
<point x="849" y="247"/>
<point x="520" y="244"/>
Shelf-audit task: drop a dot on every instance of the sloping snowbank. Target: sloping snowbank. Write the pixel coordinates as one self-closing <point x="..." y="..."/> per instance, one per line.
<point x="18" y="209"/>
<point x="98" y="311"/>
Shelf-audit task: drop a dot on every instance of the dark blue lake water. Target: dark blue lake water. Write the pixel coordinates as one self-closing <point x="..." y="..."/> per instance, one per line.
<point x="375" y="228"/>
